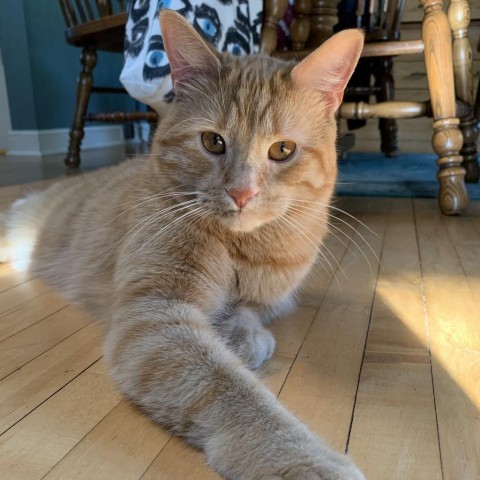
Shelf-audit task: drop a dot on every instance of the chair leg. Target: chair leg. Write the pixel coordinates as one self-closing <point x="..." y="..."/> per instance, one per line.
<point x="387" y="126"/>
<point x="459" y="18"/>
<point x="84" y="87"/>
<point x="447" y="139"/>
<point x="476" y="108"/>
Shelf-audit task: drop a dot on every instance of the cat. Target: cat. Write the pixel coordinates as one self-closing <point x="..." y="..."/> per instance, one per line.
<point x="184" y="256"/>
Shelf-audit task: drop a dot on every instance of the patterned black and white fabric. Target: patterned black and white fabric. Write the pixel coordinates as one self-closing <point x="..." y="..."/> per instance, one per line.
<point x="230" y="25"/>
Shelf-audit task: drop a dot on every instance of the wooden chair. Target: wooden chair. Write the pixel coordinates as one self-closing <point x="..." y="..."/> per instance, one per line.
<point x="380" y="25"/>
<point x="449" y="73"/>
<point x="94" y="25"/>
<point x="476" y="108"/>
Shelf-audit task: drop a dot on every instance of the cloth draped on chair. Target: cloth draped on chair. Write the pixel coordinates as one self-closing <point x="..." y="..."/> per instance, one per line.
<point x="230" y="25"/>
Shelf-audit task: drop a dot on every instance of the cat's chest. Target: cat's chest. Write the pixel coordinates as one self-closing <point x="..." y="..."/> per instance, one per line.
<point x="266" y="284"/>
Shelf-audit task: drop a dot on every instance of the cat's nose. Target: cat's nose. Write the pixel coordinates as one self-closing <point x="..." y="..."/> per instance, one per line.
<point x="242" y="196"/>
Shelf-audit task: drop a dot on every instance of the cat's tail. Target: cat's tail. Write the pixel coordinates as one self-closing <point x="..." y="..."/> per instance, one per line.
<point x="18" y="231"/>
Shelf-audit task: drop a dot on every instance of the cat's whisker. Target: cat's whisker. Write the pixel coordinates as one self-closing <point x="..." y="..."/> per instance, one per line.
<point x="321" y="259"/>
<point x="151" y="198"/>
<point x="344" y="213"/>
<point x="153" y="219"/>
<point x="299" y="203"/>
<point x="316" y="246"/>
<point x="169" y="227"/>
<point x="322" y="245"/>
<point x="330" y="224"/>
<point x="287" y="228"/>
<point x="148" y="220"/>
<point x="167" y="193"/>
<point x="309" y="215"/>
<point x="157" y="215"/>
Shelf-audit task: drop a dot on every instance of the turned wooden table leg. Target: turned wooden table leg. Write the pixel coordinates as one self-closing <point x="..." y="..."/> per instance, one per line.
<point x="459" y="18"/>
<point x="84" y="87"/>
<point x="447" y="138"/>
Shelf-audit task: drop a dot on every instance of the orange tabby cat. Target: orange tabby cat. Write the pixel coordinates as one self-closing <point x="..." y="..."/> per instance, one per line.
<point x="184" y="256"/>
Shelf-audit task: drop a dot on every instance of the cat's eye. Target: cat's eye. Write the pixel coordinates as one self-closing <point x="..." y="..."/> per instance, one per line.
<point x="213" y="142"/>
<point x="281" y="151"/>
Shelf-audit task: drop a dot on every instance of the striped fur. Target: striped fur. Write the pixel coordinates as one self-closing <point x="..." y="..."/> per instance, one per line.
<point x="182" y="281"/>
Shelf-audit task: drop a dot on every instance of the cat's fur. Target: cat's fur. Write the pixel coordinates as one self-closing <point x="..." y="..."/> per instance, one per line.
<point x="184" y="303"/>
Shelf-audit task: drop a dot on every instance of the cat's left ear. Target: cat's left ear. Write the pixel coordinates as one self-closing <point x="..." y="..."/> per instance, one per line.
<point x="187" y="52"/>
<point x="329" y="68"/>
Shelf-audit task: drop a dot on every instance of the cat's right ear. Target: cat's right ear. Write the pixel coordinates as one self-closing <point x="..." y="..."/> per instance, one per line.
<point x="329" y="68"/>
<point x="187" y="52"/>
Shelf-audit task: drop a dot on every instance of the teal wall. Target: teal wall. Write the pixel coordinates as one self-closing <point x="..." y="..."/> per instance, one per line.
<point x="41" y="68"/>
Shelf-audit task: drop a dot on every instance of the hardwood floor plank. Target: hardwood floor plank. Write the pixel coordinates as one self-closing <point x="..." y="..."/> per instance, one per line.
<point x="464" y="232"/>
<point x="15" y="297"/>
<point x="37" y="443"/>
<point x="394" y="432"/>
<point x="322" y="383"/>
<point x="29" y="312"/>
<point x="473" y="213"/>
<point x="454" y="328"/>
<point x="26" y="388"/>
<point x="121" y="446"/>
<point x="21" y="348"/>
<point x="10" y="278"/>
<point x="177" y="461"/>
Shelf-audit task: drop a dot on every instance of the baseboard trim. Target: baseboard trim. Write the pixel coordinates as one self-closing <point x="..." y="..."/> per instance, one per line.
<point x="38" y="143"/>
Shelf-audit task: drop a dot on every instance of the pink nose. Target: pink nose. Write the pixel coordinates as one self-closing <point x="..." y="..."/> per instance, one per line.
<point x="242" y="195"/>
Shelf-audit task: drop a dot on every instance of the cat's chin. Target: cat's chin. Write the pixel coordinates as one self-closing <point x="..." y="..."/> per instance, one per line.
<point x="243" y="222"/>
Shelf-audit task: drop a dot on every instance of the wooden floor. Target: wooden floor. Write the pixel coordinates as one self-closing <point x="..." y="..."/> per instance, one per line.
<point x="383" y="362"/>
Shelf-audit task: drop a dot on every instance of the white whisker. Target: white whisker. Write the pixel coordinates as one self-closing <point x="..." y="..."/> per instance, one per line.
<point x="300" y="212"/>
<point x="149" y="220"/>
<point x="151" y="198"/>
<point x="298" y="203"/>
<point x="322" y="245"/>
<point x="325" y="222"/>
<point x="338" y="210"/>
<point x="317" y="247"/>
<point x="169" y="227"/>
<point x="318" y="258"/>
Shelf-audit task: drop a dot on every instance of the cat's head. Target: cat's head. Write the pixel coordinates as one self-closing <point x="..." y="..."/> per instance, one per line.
<point x="251" y="134"/>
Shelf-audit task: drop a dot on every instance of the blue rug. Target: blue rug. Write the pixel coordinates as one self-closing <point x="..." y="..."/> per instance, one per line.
<point x="409" y="175"/>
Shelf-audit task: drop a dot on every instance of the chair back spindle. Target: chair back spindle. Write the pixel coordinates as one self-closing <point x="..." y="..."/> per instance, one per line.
<point x="77" y="12"/>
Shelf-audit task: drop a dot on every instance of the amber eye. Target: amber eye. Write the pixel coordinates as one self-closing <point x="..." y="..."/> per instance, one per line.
<point x="281" y="151"/>
<point x="213" y="142"/>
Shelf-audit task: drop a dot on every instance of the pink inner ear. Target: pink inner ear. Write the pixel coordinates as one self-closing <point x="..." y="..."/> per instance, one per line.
<point x="329" y="68"/>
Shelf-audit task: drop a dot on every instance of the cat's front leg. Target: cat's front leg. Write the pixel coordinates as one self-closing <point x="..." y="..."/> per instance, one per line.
<point x="243" y="332"/>
<point x="165" y="357"/>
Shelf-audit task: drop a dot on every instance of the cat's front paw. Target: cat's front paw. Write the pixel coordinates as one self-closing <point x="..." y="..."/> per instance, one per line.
<point x="245" y="334"/>
<point x="256" y="347"/>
